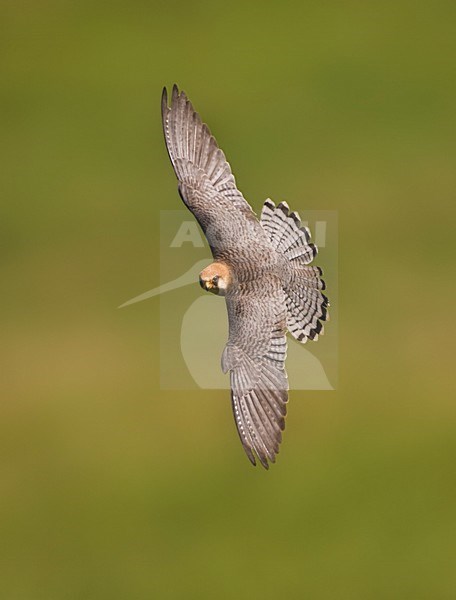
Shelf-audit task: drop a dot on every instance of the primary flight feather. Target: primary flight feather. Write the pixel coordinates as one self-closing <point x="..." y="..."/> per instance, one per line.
<point x="261" y="267"/>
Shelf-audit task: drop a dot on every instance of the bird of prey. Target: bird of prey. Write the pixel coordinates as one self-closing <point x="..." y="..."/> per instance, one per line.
<point x="261" y="267"/>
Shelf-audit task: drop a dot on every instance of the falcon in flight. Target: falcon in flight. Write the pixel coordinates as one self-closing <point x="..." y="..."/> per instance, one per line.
<point x="261" y="266"/>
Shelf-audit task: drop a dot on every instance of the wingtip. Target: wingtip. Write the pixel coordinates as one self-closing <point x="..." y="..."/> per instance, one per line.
<point x="164" y="99"/>
<point x="264" y="463"/>
<point x="175" y="93"/>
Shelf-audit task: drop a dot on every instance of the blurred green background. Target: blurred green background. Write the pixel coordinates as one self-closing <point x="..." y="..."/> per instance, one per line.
<point x="113" y="489"/>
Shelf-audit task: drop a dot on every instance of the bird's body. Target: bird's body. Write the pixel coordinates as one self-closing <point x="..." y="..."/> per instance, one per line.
<point x="262" y="269"/>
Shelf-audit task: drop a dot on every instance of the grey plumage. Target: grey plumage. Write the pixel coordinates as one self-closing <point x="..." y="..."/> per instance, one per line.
<point x="271" y="287"/>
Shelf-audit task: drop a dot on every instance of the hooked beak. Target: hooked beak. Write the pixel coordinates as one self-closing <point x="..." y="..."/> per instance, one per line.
<point x="205" y="284"/>
<point x="208" y="285"/>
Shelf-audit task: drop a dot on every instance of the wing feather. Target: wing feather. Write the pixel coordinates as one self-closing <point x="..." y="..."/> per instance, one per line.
<point x="255" y="356"/>
<point x="198" y="162"/>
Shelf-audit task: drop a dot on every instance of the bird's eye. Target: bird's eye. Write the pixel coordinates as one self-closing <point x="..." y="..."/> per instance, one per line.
<point x="215" y="279"/>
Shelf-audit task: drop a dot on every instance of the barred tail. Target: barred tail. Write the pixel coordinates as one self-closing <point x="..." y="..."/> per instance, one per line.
<point x="307" y="305"/>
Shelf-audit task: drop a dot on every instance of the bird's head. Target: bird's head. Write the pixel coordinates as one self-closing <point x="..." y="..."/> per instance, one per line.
<point x="215" y="278"/>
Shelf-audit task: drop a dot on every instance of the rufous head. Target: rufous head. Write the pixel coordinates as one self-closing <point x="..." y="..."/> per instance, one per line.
<point x="215" y="278"/>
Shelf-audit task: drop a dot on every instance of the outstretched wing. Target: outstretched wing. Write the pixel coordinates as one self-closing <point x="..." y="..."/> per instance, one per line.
<point x="255" y="356"/>
<point x="206" y="183"/>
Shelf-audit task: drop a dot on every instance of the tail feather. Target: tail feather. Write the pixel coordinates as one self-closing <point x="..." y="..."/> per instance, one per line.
<point x="286" y="233"/>
<point x="307" y="306"/>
